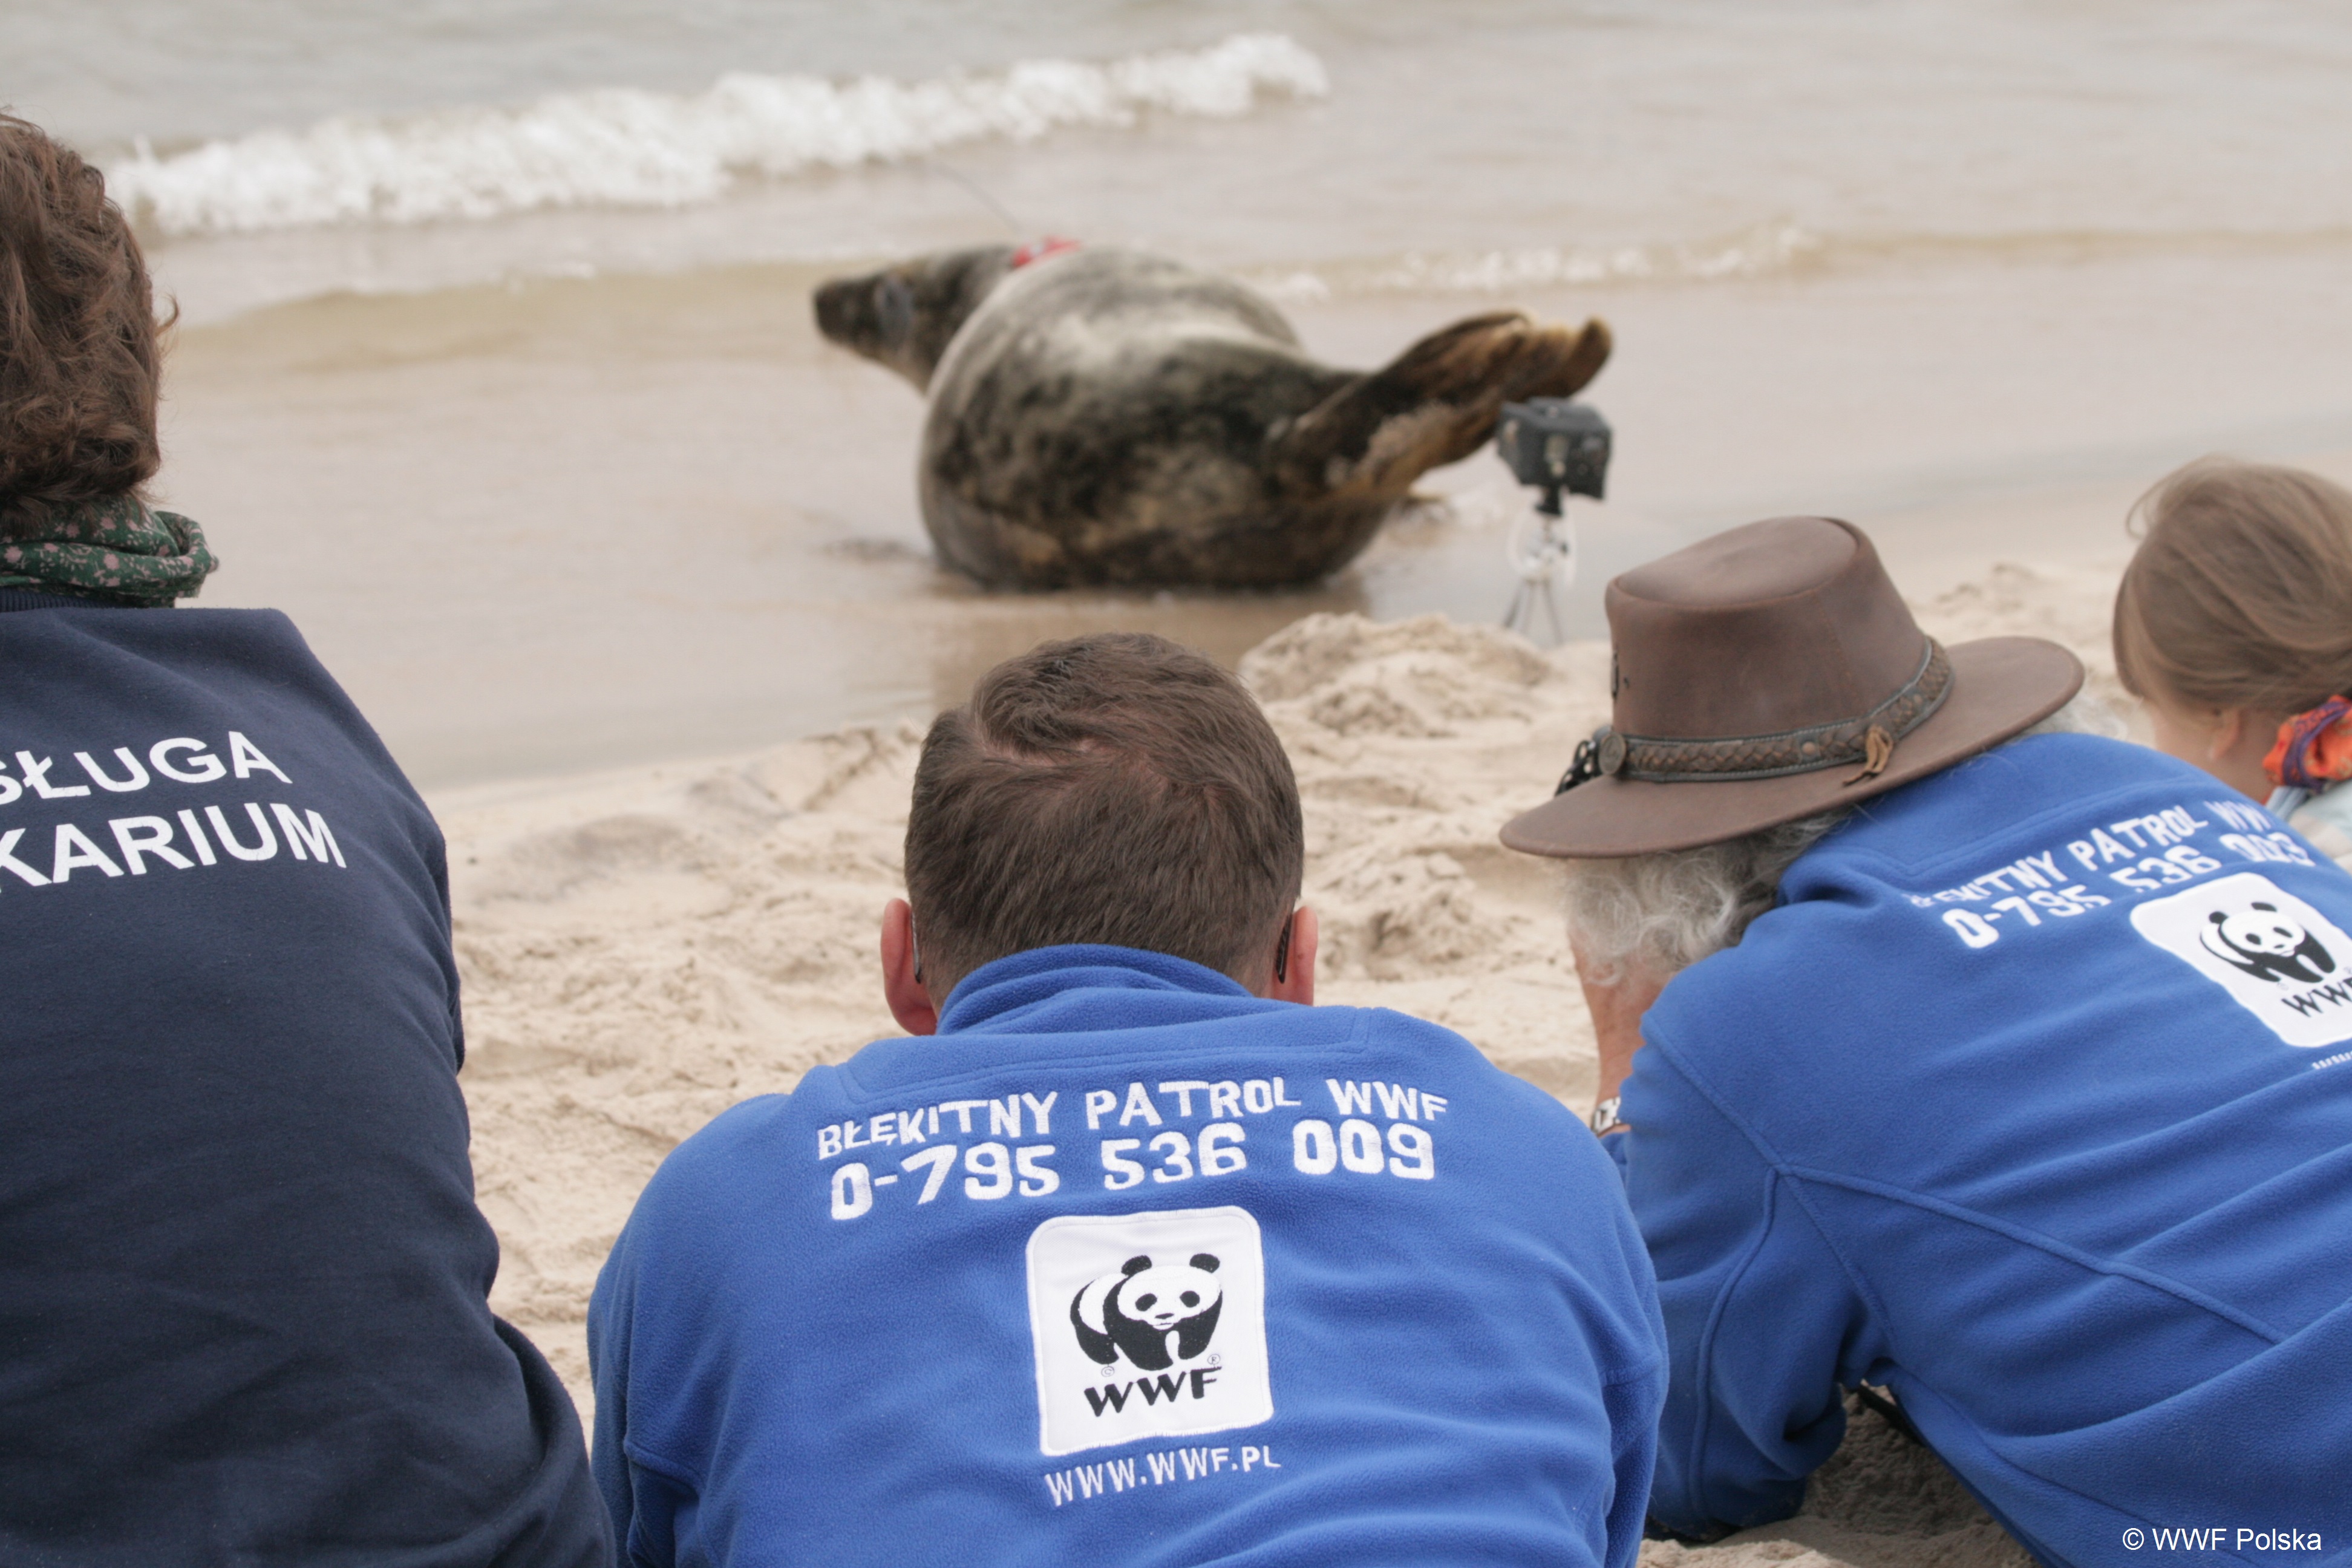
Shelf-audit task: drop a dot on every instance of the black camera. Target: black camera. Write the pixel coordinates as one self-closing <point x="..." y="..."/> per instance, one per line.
<point x="1558" y="444"/>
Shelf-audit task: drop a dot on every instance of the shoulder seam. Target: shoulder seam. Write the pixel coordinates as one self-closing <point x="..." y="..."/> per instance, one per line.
<point x="1703" y="1396"/>
<point x="2050" y="1245"/>
<point x="1619" y="1379"/>
<point x="1969" y="856"/>
<point x="2020" y="1233"/>
<point x="637" y="1454"/>
<point x="1854" y="1277"/>
<point x="1673" y="1060"/>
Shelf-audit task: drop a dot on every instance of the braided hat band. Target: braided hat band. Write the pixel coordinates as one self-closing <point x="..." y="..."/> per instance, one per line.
<point x="1868" y="740"/>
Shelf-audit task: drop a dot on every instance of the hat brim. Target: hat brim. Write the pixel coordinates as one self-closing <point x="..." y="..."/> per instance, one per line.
<point x="1999" y="686"/>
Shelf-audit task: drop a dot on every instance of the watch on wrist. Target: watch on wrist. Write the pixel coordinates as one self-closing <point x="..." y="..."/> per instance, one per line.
<point x="1604" y="1119"/>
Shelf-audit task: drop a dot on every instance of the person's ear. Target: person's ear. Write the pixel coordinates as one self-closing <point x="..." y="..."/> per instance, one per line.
<point x="1292" y="978"/>
<point x="2229" y="729"/>
<point x="902" y="972"/>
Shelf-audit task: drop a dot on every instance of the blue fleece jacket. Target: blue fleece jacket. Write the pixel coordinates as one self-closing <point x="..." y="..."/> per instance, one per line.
<point x="243" y="1311"/>
<point x="2032" y="1100"/>
<point x="1126" y="1266"/>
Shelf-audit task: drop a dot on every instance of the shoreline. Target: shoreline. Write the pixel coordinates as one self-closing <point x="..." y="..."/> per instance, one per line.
<point x="594" y="524"/>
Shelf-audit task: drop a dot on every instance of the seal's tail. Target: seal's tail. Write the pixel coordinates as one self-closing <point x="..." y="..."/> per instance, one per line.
<point x="1436" y="404"/>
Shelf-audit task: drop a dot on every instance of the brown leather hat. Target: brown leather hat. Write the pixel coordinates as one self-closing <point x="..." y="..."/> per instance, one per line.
<point x="1768" y="673"/>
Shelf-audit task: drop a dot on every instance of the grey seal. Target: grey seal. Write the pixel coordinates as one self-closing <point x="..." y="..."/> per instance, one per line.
<point x="1105" y="416"/>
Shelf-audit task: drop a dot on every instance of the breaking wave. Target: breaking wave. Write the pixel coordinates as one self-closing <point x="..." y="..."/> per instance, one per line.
<point x="629" y="147"/>
<point x="1765" y="250"/>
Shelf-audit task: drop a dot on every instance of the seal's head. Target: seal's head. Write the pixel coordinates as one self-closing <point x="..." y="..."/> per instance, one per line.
<point x="903" y="316"/>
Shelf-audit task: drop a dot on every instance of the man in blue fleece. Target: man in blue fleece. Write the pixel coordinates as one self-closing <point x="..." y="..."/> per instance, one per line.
<point x="2012" y="1074"/>
<point x="1128" y="1255"/>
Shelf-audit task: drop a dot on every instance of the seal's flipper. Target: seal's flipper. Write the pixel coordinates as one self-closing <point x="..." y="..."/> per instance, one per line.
<point x="1436" y="403"/>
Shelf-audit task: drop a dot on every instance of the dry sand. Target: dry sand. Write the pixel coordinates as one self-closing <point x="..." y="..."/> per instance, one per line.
<point x="641" y="951"/>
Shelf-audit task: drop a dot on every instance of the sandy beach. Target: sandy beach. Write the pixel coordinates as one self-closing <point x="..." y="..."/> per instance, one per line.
<point x="494" y="368"/>
<point x="643" y="948"/>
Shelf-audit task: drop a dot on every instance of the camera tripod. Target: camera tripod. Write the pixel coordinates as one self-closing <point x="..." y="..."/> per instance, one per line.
<point x="1542" y="550"/>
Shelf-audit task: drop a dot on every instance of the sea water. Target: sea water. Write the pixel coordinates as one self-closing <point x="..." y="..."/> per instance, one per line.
<point x="494" y="364"/>
<point x="1475" y="144"/>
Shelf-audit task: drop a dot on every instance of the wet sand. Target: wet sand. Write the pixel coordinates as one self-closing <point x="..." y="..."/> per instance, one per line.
<point x="578" y="525"/>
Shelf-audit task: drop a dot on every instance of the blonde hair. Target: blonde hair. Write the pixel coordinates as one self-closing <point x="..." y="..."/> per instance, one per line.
<point x="2241" y="593"/>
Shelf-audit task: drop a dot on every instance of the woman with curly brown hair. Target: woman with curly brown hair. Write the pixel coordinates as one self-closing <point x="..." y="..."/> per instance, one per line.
<point x="243" y="1280"/>
<point x="78" y="362"/>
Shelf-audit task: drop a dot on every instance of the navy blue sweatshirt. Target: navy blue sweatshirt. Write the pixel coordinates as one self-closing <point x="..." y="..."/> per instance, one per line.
<point x="1128" y="1266"/>
<point x="2032" y="1100"/>
<point x="244" y="1285"/>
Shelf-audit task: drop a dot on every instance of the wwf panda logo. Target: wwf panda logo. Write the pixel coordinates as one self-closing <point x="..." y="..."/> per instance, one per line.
<point x="2260" y="941"/>
<point x="1136" y="1311"/>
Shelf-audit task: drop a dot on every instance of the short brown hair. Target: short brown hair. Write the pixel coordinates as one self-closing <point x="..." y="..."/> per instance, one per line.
<point x="78" y="356"/>
<point x="2241" y="593"/>
<point x="1117" y="789"/>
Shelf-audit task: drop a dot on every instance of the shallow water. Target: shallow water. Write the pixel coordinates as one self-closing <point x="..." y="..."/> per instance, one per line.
<point x="584" y="523"/>
<point x="571" y="482"/>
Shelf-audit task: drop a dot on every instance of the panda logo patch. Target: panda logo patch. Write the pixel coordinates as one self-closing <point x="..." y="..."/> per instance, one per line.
<point x="2277" y="956"/>
<point x="1148" y="1325"/>
<point x="2266" y="945"/>
<point x="1137" y="1311"/>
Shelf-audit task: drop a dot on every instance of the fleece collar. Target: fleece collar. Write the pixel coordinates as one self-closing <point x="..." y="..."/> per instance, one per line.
<point x="1008" y="995"/>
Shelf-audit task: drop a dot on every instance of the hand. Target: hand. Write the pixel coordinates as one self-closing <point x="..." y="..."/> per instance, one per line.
<point x="1617" y="1008"/>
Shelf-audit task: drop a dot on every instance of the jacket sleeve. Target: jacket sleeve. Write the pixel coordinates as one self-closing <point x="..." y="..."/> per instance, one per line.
<point x="1634" y="1397"/>
<point x="1761" y="1316"/>
<point x="1633" y="1407"/>
<point x="645" y="1501"/>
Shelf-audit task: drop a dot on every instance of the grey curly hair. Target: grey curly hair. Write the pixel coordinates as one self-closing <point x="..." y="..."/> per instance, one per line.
<point x="1663" y="912"/>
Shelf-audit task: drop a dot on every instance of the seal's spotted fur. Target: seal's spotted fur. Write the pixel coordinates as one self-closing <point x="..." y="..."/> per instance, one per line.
<point x="1105" y="417"/>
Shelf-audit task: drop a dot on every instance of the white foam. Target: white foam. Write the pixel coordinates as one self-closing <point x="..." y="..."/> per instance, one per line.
<point x="625" y="146"/>
<point x="1766" y="249"/>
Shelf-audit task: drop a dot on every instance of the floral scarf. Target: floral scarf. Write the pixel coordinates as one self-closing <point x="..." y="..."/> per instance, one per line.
<point x="119" y="551"/>
<point x="2314" y="749"/>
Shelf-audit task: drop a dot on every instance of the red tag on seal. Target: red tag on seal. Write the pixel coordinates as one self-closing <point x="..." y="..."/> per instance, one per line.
<point x="1039" y="249"/>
